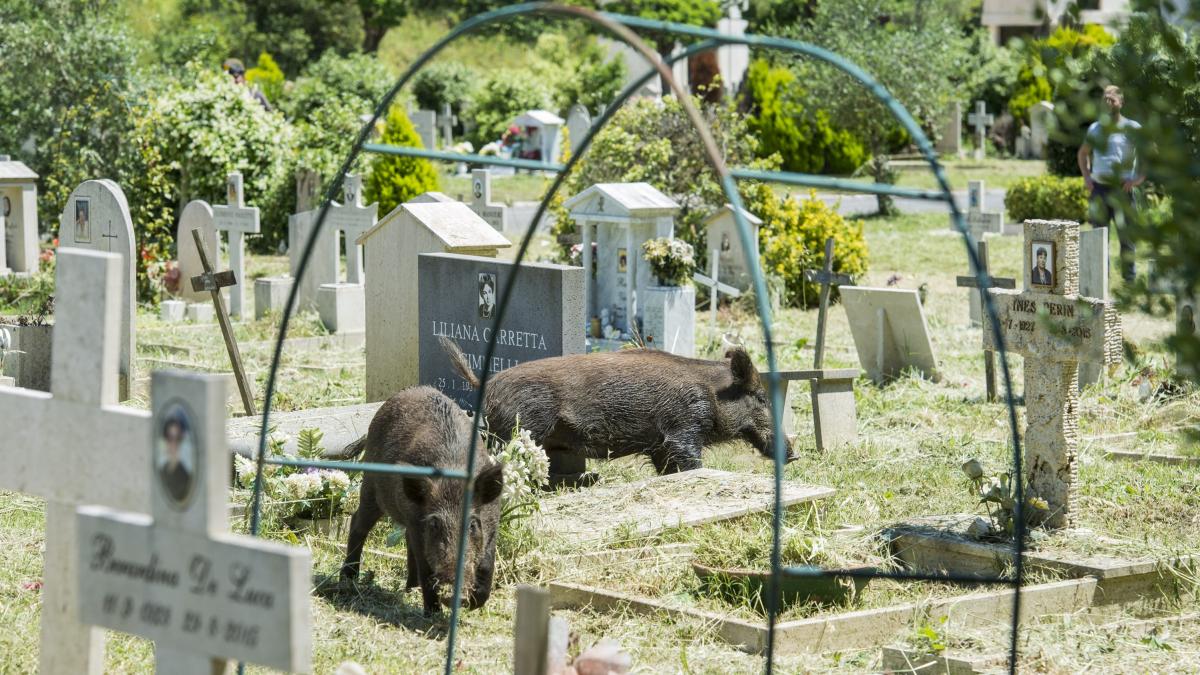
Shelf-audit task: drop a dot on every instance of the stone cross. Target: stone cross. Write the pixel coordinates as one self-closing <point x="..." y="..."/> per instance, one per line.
<point x="213" y="282"/>
<point x="826" y="278"/>
<point x="447" y="119"/>
<point x="1054" y="329"/>
<point x="975" y="302"/>
<point x="177" y="576"/>
<point x="715" y="288"/>
<point x="481" y="200"/>
<point x="354" y="219"/>
<point x="981" y="120"/>
<point x="239" y="220"/>
<point x="75" y="446"/>
<point x="979" y="219"/>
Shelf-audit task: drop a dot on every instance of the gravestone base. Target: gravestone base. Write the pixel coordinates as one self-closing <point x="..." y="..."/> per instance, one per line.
<point x="6" y="381"/>
<point x="669" y="319"/>
<point x="270" y="295"/>
<point x="29" y="357"/>
<point x="198" y="312"/>
<point x="342" y="307"/>
<point x="172" y="311"/>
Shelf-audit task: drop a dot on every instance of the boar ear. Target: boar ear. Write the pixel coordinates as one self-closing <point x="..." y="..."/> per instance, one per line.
<point x="488" y="484"/>
<point x="417" y="489"/>
<point x="742" y="367"/>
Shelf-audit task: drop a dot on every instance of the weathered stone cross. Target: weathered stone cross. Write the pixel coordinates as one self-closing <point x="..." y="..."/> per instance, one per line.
<point x="826" y="278"/>
<point x="976" y="301"/>
<point x="981" y="120"/>
<point x="715" y="287"/>
<point x="448" y="119"/>
<point x="75" y="445"/>
<point x="1054" y="329"/>
<point x="178" y="576"/>
<point x="213" y="282"/>
<point x="239" y="220"/>
<point x="354" y="219"/>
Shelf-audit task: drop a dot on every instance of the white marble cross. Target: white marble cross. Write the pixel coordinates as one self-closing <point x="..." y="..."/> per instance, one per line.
<point x="981" y="120"/>
<point x="447" y="120"/>
<point x="75" y="445"/>
<point x="715" y="287"/>
<point x="238" y="220"/>
<point x="177" y="576"/>
<point x="354" y="219"/>
<point x="1054" y="329"/>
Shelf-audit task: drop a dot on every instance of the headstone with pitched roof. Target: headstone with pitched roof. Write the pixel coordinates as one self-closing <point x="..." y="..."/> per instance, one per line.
<point x="18" y="218"/>
<point x="542" y="130"/>
<point x="619" y="217"/>
<point x="97" y="218"/>
<point x="392" y="248"/>
<point x="726" y="245"/>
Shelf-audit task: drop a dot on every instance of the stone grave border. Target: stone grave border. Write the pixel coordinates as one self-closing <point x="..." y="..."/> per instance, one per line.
<point x="704" y="40"/>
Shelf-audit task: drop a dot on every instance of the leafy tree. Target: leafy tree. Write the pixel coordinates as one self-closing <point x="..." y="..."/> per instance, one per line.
<point x="378" y="16"/>
<point x="502" y="98"/>
<point x="395" y="179"/>
<point x="695" y="12"/>
<point x="444" y="82"/>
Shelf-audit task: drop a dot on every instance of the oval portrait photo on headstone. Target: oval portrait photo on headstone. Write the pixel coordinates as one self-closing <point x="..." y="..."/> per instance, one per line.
<point x="1042" y="255"/>
<point x="175" y="455"/>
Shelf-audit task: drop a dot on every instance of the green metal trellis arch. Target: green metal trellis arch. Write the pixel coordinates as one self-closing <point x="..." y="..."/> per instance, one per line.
<point x="620" y="26"/>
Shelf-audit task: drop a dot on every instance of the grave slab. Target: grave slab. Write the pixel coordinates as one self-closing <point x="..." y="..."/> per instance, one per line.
<point x="342" y="307"/>
<point x="890" y="333"/>
<point x="341" y="425"/>
<point x="650" y="506"/>
<point x="172" y="311"/>
<point x="198" y="312"/>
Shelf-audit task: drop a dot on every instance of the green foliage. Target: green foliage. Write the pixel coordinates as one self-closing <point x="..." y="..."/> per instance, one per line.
<point x="444" y="82"/>
<point x="792" y="238"/>
<point x="653" y="141"/>
<point x="576" y="70"/>
<point x="210" y="126"/>
<point x="267" y="77"/>
<point x="502" y="98"/>
<point x="805" y="140"/>
<point x="1047" y="198"/>
<point x="1037" y="79"/>
<point x="695" y="12"/>
<point x="395" y="179"/>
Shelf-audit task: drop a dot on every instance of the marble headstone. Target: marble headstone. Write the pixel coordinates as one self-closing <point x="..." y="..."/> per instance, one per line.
<point x="578" y="123"/>
<point x="890" y="332"/>
<point x="197" y="214"/>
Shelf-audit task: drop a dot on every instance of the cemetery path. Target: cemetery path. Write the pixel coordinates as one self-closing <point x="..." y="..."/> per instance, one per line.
<point x="861" y="205"/>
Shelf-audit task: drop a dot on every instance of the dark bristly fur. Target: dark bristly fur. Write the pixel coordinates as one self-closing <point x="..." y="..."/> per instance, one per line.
<point x="629" y="402"/>
<point x="421" y="427"/>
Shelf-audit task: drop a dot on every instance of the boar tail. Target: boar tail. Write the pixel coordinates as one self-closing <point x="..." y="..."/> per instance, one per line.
<point x="459" y="361"/>
<point x="351" y="451"/>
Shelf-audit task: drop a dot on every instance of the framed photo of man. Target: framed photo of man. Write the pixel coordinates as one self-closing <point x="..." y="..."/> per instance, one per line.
<point x="83" y="223"/>
<point x="175" y="456"/>
<point x="1041" y="273"/>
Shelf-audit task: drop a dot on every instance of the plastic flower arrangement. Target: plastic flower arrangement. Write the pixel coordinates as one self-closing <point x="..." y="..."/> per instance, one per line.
<point x="672" y="261"/>
<point x="296" y="492"/>
<point x="997" y="494"/>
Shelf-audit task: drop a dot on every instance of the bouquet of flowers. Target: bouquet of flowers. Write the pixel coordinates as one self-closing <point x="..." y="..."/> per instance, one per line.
<point x="299" y="492"/>
<point x="671" y="260"/>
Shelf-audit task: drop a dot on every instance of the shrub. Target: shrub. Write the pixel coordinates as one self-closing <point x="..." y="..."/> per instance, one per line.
<point x="445" y="82"/>
<point x="1059" y="51"/>
<point x="1047" y="198"/>
<point x="395" y="179"/>
<point x="267" y="76"/>
<point x="502" y="98"/>
<point x="792" y="238"/>
<point x="805" y="140"/>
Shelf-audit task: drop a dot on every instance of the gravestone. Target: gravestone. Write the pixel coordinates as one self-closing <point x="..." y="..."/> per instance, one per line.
<point x="496" y="215"/>
<point x="27" y="356"/>
<point x="342" y="305"/>
<point x="619" y="217"/>
<point x="977" y="218"/>
<point x="669" y="317"/>
<point x="459" y="297"/>
<point x="981" y="120"/>
<point x="18" y="218"/>
<point x="950" y="140"/>
<point x="578" y="123"/>
<point x="177" y="576"/>
<point x="392" y="250"/>
<point x="73" y="426"/>
<point x="446" y="122"/>
<point x="726" y="245"/>
<point x="308" y="186"/>
<point x="1093" y="283"/>
<point x="1041" y="121"/>
<point x="196" y="215"/>
<point x="238" y="220"/>
<point x="1054" y="329"/>
<point x="715" y="289"/>
<point x="270" y="295"/>
<point x="354" y="219"/>
<point x="96" y="217"/>
<point x="425" y="123"/>
<point x="542" y="131"/>
<point x="1023" y="146"/>
<point x="890" y="333"/>
<point x="322" y="264"/>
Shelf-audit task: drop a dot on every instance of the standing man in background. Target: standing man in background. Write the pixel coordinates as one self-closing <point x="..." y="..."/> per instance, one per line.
<point x="1108" y="161"/>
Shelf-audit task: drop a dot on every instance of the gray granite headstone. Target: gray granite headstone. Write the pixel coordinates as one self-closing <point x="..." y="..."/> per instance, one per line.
<point x="458" y="299"/>
<point x="425" y="123"/>
<point x="322" y="265"/>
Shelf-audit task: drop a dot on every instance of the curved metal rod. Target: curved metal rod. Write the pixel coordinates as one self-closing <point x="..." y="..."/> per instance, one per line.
<point x="728" y="184"/>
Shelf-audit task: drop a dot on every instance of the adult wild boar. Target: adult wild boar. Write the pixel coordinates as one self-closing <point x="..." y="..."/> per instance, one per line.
<point x="629" y="402"/>
<point x="421" y="427"/>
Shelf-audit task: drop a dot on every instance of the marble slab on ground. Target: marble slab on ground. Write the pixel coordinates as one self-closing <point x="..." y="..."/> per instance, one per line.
<point x="341" y="426"/>
<point x="644" y="508"/>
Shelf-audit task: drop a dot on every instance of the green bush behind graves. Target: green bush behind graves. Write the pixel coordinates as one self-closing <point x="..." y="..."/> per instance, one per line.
<point x="1063" y="50"/>
<point x="792" y="238"/>
<point x="444" y="82"/>
<point x="806" y="140"/>
<point x="395" y="179"/>
<point x="1047" y="197"/>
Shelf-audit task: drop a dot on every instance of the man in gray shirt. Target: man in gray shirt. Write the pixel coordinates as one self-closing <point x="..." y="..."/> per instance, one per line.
<point x="1108" y="161"/>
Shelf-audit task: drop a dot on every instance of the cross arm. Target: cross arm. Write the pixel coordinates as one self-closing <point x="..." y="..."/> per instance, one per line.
<point x="996" y="282"/>
<point x="724" y="289"/>
<point x="211" y="282"/>
<point x="823" y="277"/>
<point x="1055" y="327"/>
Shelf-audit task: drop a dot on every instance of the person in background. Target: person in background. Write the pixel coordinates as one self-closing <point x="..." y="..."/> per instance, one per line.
<point x="237" y="71"/>
<point x="1109" y="164"/>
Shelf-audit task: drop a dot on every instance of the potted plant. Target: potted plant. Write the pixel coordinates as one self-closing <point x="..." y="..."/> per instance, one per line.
<point x="668" y="310"/>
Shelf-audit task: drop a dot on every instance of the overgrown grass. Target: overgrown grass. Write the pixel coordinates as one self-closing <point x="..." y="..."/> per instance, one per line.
<point x="913" y="436"/>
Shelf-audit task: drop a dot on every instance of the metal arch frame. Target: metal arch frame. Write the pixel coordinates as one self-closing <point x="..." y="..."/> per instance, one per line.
<point x="619" y="25"/>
